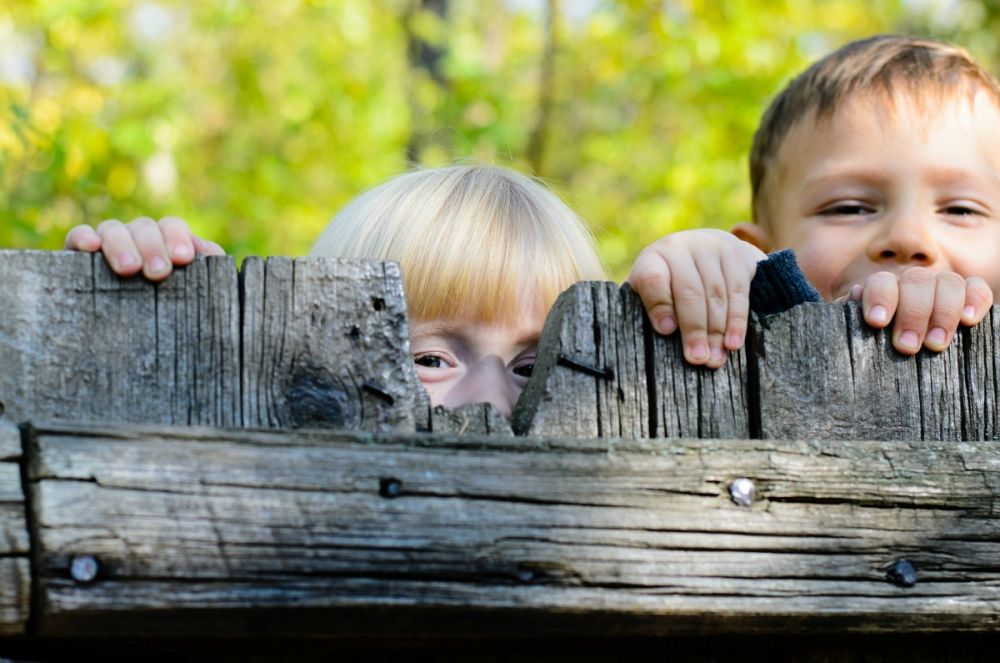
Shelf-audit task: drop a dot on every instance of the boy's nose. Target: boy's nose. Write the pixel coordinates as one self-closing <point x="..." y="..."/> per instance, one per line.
<point x="904" y="241"/>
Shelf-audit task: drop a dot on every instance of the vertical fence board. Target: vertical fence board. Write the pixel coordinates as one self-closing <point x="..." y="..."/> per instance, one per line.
<point x="15" y="578"/>
<point x="980" y="373"/>
<point x="824" y="373"/>
<point x="589" y="379"/>
<point x="690" y="401"/>
<point x="80" y="344"/>
<point x="326" y="344"/>
<point x="469" y="419"/>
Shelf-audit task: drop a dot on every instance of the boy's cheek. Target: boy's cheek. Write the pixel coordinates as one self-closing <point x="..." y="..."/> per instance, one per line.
<point x="824" y="270"/>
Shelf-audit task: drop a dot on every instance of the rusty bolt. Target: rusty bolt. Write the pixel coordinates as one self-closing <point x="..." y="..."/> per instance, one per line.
<point x="902" y="573"/>
<point x="742" y="491"/>
<point x="84" y="568"/>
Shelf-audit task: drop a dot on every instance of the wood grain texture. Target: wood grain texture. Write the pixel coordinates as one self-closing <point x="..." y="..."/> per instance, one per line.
<point x="590" y="376"/>
<point x="15" y="578"/>
<point x="823" y="373"/>
<point x="326" y="344"/>
<point x="472" y="419"/>
<point x="80" y="344"/>
<point x="692" y="401"/>
<point x="630" y="536"/>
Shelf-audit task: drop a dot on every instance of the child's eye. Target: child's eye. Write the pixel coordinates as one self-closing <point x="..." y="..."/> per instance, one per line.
<point x="430" y="361"/>
<point x="847" y="209"/>
<point x="524" y="370"/>
<point x="959" y="210"/>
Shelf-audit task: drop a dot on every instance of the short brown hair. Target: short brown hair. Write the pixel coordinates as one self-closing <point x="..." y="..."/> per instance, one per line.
<point x="874" y="64"/>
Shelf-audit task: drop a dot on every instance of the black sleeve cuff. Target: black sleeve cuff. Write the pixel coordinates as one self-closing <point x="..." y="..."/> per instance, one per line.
<point x="779" y="285"/>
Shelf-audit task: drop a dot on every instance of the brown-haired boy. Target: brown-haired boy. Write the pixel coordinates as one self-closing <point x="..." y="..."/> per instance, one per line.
<point x="880" y="166"/>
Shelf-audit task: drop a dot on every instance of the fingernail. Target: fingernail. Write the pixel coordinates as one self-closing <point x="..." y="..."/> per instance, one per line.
<point x="666" y="325"/>
<point x="856" y="292"/>
<point x="879" y="315"/>
<point x="698" y="351"/>
<point x="733" y="341"/>
<point x="969" y="312"/>
<point x="181" y="250"/>
<point x="126" y="259"/>
<point x="909" y="340"/>
<point x="718" y="355"/>
<point x="157" y="265"/>
<point x="937" y="336"/>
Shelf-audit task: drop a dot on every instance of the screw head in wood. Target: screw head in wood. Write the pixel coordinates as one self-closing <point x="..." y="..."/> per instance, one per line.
<point x="902" y="573"/>
<point x="84" y="568"/>
<point x="390" y="487"/>
<point x="742" y="491"/>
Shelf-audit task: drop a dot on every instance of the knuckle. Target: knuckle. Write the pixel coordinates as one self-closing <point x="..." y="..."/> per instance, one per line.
<point x="689" y="294"/>
<point x="141" y="223"/>
<point x="951" y="280"/>
<point x="648" y="281"/>
<point x="108" y="224"/>
<point x="921" y="276"/>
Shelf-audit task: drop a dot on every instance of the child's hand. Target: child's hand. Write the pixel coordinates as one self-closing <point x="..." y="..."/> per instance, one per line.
<point x="928" y="306"/>
<point x="698" y="281"/>
<point x="152" y="246"/>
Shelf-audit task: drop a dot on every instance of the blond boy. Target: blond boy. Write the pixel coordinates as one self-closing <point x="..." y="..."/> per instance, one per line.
<point x="880" y="167"/>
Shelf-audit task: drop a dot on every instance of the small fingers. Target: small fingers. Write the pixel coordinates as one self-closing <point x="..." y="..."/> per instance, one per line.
<point x="916" y="303"/>
<point x="152" y="248"/>
<point x="978" y="300"/>
<point x="716" y="298"/>
<point x="879" y="298"/>
<point x="949" y="300"/>
<point x="691" y="308"/>
<point x="178" y="239"/>
<point x="82" y="238"/>
<point x="207" y="248"/>
<point x="650" y="278"/>
<point x="119" y="248"/>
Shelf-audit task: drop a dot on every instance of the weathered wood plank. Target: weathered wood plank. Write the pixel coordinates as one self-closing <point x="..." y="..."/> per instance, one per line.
<point x="80" y="344"/>
<point x="824" y="373"/>
<point x="326" y="344"/>
<point x="15" y="587"/>
<point x="15" y="578"/>
<point x="692" y="401"/>
<point x="590" y="376"/>
<point x="634" y="536"/>
<point x="471" y="419"/>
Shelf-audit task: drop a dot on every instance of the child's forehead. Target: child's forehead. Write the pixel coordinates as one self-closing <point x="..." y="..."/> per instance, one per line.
<point x="913" y="110"/>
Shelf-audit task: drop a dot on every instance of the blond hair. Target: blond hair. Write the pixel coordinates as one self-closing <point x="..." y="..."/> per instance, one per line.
<point x="876" y="65"/>
<point x="472" y="241"/>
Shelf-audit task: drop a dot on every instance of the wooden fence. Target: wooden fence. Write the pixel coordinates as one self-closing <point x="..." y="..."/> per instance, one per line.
<point x="641" y="496"/>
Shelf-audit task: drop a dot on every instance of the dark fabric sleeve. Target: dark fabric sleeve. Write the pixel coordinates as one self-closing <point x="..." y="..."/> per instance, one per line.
<point x="779" y="285"/>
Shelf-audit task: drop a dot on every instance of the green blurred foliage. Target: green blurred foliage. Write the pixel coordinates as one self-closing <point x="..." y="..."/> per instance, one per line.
<point x="256" y="120"/>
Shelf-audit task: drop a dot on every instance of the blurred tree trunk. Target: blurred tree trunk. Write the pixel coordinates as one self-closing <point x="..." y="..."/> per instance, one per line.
<point x="539" y="132"/>
<point x="425" y="55"/>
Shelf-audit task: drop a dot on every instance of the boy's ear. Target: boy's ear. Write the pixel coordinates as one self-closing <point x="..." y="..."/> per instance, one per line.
<point x="754" y="234"/>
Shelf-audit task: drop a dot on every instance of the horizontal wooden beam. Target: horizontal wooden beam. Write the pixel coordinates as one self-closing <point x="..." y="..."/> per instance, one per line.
<point x="183" y="532"/>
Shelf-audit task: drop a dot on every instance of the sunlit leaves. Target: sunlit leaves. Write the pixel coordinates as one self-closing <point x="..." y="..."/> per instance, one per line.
<point x="256" y="120"/>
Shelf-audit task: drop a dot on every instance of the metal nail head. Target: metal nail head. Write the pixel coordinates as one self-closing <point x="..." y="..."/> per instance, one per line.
<point x="742" y="491"/>
<point x="390" y="487"/>
<point x="84" y="568"/>
<point x="902" y="573"/>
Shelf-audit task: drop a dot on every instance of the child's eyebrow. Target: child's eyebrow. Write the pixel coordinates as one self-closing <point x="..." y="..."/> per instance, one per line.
<point x="834" y="177"/>
<point x="945" y="176"/>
